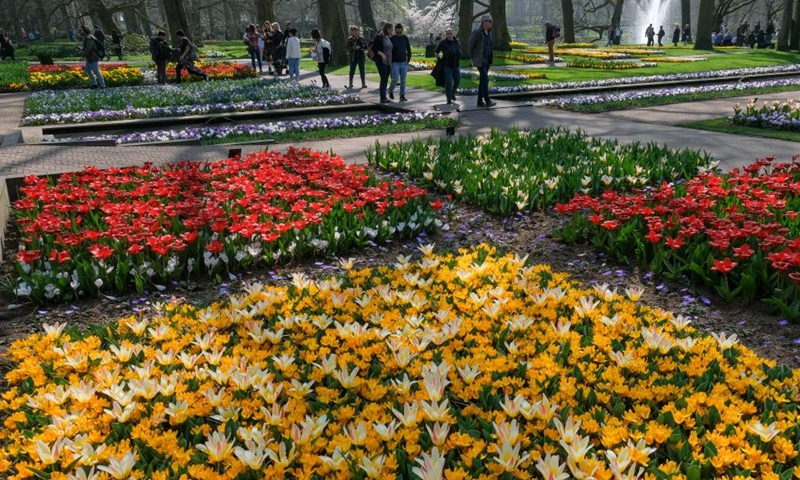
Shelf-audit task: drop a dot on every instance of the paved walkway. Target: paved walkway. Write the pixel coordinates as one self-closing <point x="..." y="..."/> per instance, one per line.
<point x="641" y="125"/>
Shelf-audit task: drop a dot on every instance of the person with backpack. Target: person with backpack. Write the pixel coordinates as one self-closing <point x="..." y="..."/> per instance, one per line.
<point x="381" y="52"/>
<point x="187" y="55"/>
<point x="101" y="37"/>
<point x="550" y="35"/>
<point x="321" y="52"/>
<point x="92" y="52"/>
<point x="116" y="40"/>
<point x="160" y="52"/>
<point x="480" y="50"/>
<point x="401" y="55"/>
<point x="293" y="55"/>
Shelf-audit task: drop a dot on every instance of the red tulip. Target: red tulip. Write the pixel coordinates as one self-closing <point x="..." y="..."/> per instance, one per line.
<point x="724" y="266"/>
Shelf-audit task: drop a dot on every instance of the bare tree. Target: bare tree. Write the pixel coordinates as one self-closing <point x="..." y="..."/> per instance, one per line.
<point x="786" y="26"/>
<point x="705" y="21"/>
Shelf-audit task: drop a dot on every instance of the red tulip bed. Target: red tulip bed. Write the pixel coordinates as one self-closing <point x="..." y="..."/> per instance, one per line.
<point x="737" y="232"/>
<point x="141" y="227"/>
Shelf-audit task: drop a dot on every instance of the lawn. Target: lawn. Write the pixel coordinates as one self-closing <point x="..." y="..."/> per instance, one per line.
<point x="723" y="125"/>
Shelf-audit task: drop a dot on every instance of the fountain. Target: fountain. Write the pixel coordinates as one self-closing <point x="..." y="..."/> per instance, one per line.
<point x="655" y="12"/>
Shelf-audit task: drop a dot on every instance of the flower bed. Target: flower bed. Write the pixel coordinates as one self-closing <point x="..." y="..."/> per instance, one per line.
<point x="674" y="59"/>
<point x="13" y="76"/>
<point x="275" y="130"/>
<point x="576" y="52"/>
<point x="138" y="227"/>
<point x="525" y="58"/>
<point x="81" y="106"/>
<point x="468" y="366"/>
<point x="634" y="51"/>
<point x="772" y="115"/>
<point x="737" y="72"/>
<point x="736" y="232"/>
<point x="417" y="65"/>
<point x="504" y="75"/>
<point x="517" y="45"/>
<point x="510" y="171"/>
<point x="623" y="99"/>
<point x="212" y="54"/>
<point x="215" y="70"/>
<point x="45" y="77"/>
<point x="609" y="65"/>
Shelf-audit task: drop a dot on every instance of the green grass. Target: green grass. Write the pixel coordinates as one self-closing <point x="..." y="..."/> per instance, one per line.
<point x="427" y="124"/>
<point x="723" y="125"/>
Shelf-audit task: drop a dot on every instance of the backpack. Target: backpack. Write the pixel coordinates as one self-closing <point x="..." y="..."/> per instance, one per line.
<point x="163" y="52"/>
<point x="193" y="53"/>
<point x="100" y="49"/>
<point x="556" y="32"/>
<point x="326" y="52"/>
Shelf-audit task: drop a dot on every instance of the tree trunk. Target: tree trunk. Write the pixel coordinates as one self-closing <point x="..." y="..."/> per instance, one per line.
<point x="705" y="22"/>
<point x="99" y="11"/>
<point x="794" y="39"/>
<point x="176" y="18"/>
<point x="366" y="13"/>
<point x="44" y="22"/>
<point x="231" y="28"/>
<point x="334" y="29"/>
<point x="616" y="17"/>
<point x="568" y="28"/>
<point x="786" y="26"/>
<point x="465" y="17"/>
<point x="501" y="39"/>
<point x="265" y="9"/>
<point x="686" y="13"/>
<point x="132" y="23"/>
<point x="142" y="16"/>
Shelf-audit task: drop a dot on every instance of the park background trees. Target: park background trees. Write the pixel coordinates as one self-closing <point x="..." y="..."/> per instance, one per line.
<point x="514" y="20"/>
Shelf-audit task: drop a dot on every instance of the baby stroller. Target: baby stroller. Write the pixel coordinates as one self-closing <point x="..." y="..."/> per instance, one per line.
<point x="279" y="60"/>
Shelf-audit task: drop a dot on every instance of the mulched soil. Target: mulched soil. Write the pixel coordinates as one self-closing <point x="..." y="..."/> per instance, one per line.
<point x="530" y="233"/>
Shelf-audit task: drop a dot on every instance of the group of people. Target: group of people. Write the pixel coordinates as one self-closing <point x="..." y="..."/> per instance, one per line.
<point x="650" y="33"/>
<point x="267" y="43"/>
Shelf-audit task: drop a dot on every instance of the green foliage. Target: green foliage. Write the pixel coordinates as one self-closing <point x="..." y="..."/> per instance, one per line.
<point x="55" y="50"/>
<point x="135" y="44"/>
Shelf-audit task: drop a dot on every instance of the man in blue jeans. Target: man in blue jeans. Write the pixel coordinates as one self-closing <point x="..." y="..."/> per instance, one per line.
<point x="91" y="53"/>
<point x="401" y="55"/>
<point x="479" y="50"/>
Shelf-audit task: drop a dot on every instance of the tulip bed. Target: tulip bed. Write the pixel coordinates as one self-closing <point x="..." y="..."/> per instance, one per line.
<point x="525" y="58"/>
<point x="506" y="172"/>
<point x="584" y="53"/>
<point x="13" y="77"/>
<point x="674" y="59"/>
<point x="215" y="70"/>
<point x="736" y="232"/>
<point x="771" y="115"/>
<point x="143" y="227"/>
<point x="462" y="366"/>
<point x="612" y="65"/>
<point x="80" y="106"/>
<point x="46" y="77"/>
<point x="504" y="75"/>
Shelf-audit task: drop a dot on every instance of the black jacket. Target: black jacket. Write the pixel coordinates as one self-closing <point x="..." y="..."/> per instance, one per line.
<point x="401" y="52"/>
<point x="451" y="52"/>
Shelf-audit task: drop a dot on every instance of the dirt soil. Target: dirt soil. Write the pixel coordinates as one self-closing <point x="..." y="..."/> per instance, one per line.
<point x="530" y="234"/>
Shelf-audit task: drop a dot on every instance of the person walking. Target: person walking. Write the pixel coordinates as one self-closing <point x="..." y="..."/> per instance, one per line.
<point x="321" y="52"/>
<point x="550" y="41"/>
<point x="449" y="53"/>
<point x="479" y="49"/>
<point x="116" y="41"/>
<point x="6" y="49"/>
<point x="676" y="35"/>
<point x="160" y="53"/>
<point x="101" y="37"/>
<point x="356" y="46"/>
<point x="91" y="53"/>
<point x="401" y="54"/>
<point x="187" y="55"/>
<point x="293" y="54"/>
<point x="381" y="49"/>
<point x="251" y="37"/>
<point x="661" y="34"/>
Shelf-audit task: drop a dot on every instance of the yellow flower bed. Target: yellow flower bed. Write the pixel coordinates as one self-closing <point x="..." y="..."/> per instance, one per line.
<point x="518" y="44"/>
<point x="576" y="52"/>
<point x="457" y="366"/>
<point x="674" y="59"/>
<point x="634" y="51"/>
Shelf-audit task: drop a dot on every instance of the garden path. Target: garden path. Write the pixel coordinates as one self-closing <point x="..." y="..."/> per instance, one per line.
<point x="640" y="125"/>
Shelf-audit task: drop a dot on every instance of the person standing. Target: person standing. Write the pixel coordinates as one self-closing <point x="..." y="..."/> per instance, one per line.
<point x="449" y="53"/>
<point x="479" y="49"/>
<point x="318" y="53"/>
<point x="676" y="35"/>
<point x="251" y="37"/>
<point x="382" y="55"/>
<point x="160" y="53"/>
<point x="687" y="35"/>
<point x="90" y="53"/>
<point x="116" y="40"/>
<point x="401" y="54"/>
<point x="650" y="33"/>
<point x="278" y="48"/>
<point x="550" y="41"/>
<point x="187" y="55"/>
<point x="356" y="46"/>
<point x="661" y="34"/>
<point x="369" y="33"/>
<point x="293" y="55"/>
<point x="6" y="49"/>
<point x="610" y="36"/>
<point x="71" y="34"/>
<point x="618" y="35"/>
<point x="101" y="37"/>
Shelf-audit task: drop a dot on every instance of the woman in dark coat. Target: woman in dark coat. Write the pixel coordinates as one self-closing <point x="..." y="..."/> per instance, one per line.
<point x="676" y="35"/>
<point x="449" y="51"/>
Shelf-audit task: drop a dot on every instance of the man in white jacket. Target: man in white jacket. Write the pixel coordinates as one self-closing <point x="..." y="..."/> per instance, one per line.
<point x="293" y="54"/>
